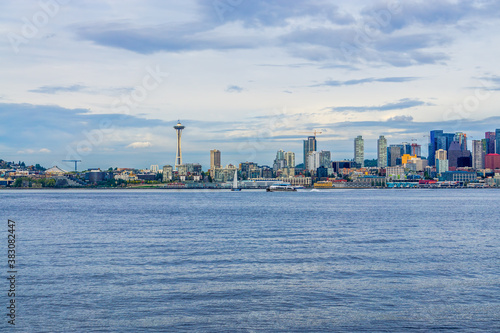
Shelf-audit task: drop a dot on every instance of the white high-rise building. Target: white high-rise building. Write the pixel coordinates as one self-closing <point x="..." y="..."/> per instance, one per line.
<point x="477" y="154"/>
<point x="359" y="151"/>
<point x="313" y="160"/>
<point x="382" y="152"/>
<point x="290" y="159"/>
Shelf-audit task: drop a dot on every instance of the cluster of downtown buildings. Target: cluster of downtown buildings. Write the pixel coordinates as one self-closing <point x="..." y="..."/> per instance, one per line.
<point x="449" y="162"/>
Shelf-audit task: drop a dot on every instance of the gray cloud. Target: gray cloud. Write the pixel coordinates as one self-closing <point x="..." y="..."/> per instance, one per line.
<point x="234" y="88"/>
<point x="337" y="38"/>
<point x="401" y="119"/>
<point x="334" y="83"/>
<point x="424" y="13"/>
<point x="57" y="89"/>
<point x="147" y="40"/>
<point x="405" y="103"/>
<point x="262" y="13"/>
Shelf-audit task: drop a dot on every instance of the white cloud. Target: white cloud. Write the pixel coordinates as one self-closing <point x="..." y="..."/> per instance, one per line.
<point x="136" y="145"/>
<point x="34" y="151"/>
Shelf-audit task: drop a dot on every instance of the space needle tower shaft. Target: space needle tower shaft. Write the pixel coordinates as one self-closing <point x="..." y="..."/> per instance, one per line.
<point x="178" y="158"/>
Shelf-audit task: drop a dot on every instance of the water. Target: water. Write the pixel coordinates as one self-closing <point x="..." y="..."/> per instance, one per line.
<point x="221" y="261"/>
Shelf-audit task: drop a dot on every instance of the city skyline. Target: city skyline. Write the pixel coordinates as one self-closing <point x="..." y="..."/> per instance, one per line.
<point x="105" y="82"/>
<point x="459" y="139"/>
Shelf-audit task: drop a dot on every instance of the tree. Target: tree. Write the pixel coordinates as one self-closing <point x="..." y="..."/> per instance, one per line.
<point x="50" y="182"/>
<point x="18" y="182"/>
<point x="39" y="167"/>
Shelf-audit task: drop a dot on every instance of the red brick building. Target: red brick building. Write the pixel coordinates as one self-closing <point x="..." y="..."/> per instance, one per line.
<point x="492" y="161"/>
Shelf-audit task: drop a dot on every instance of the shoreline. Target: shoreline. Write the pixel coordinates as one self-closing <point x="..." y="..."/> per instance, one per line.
<point x="243" y="189"/>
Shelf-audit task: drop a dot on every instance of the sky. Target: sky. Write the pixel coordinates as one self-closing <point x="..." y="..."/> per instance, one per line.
<point x="105" y="81"/>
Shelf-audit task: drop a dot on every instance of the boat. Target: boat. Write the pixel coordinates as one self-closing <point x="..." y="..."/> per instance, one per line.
<point x="235" y="182"/>
<point x="281" y="187"/>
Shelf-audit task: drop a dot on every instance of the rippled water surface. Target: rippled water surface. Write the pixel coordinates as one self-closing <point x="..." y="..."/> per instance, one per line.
<point x="221" y="261"/>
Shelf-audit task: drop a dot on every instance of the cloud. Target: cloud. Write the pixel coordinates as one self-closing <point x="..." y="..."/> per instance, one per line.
<point x="33" y="151"/>
<point x="423" y="13"/>
<point x="233" y="88"/>
<point x="277" y="13"/>
<point x="404" y="103"/>
<point x="318" y="31"/>
<point x="333" y="83"/>
<point x="51" y="90"/>
<point x="401" y="119"/>
<point x="136" y="145"/>
<point x="166" y="38"/>
<point x="57" y="89"/>
<point x="55" y="128"/>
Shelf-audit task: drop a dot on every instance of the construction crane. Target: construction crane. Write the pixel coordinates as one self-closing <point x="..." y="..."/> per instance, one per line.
<point x="314" y="132"/>
<point x="76" y="163"/>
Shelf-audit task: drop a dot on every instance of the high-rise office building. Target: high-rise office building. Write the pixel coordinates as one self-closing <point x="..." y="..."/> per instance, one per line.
<point x="309" y="146"/>
<point x="325" y="159"/>
<point x="290" y="159"/>
<point x="497" y="141"/>
<point x="359" y="151"/>
<point x="477" y="154"/>
<point x="313" y="160"/>
<point x="215" y="161"/>
<point x="393" y="154"/>
<point x="382" y="152"/>
<point x="441" y="161"/>
<point x="441" y="154"/>
<point x="438" y="140"/>
<point x="457" y="157"/>
<point x="280" y="155"/>
<point x="416" y="150"/>
<point x="461" y="138"/>
<point x="279" y="161"/>
<point x="490" y="142"/>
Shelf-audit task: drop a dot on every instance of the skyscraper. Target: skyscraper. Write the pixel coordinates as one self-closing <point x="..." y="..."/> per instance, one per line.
<point x="461" y="138"/>
<point x="477" y="154"/>
<point x="457" y="157"/>
<point x="382" y="152"/>
<point x="438" y="140"/>
<point x="490" y="142"/>
<point x="497" y="141"/>
<point x="309" y="146"/>
<point x="416" y="150"/>
<point x="313" y="160"/>
<point x="215" y="161"/>
<point x="178" y="157"/>
<point x="441" y="161"/>
<point x="394" y="152"/>
<point x="359" y="151"/>
<point x="325" y="159"/>
<point x="279" y="161"/>
<point x="441" y="154"/>
<point x="290" y="159"/>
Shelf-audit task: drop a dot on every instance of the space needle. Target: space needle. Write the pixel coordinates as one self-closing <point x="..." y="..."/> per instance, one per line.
<point x="178" y="157"/>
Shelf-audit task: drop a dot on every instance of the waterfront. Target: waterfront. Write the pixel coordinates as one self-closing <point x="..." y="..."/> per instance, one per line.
<point x="344" y="260"/>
